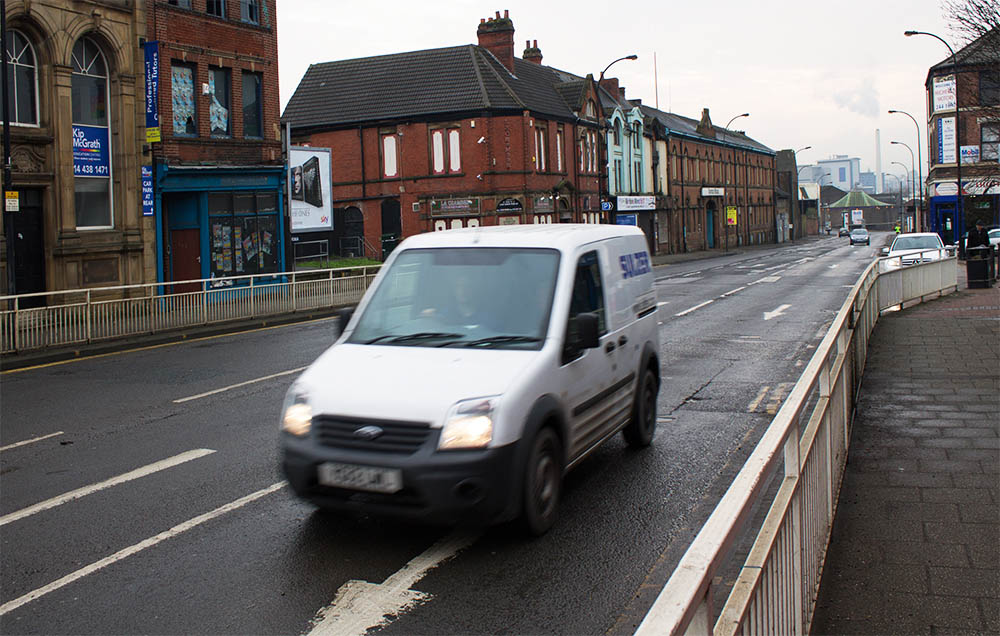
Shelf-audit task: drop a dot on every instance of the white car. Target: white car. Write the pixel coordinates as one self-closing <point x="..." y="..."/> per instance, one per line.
<point x="994" y="235"/>
<point x="912" y="248"/>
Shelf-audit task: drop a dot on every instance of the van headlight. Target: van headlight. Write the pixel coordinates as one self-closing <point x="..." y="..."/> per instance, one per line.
<point x="296" y="415"/>
<point x="469" y="424"/>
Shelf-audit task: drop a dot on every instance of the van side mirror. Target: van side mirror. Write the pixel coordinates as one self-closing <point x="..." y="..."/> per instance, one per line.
<point x="582" y="333"/>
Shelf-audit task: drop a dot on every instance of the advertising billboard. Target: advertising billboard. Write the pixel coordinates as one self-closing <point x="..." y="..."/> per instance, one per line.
<point x="946" y="140"/>
<point x="944" y="93"/>
<point x="309" y="185"/>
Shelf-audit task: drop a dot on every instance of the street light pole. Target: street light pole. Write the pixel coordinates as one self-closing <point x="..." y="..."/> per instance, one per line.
<point x="798" y="170"/>
<point x="603" y="141"/>
<point x="958" y="128"/>
<point x="746" y="186"/>
<point x="913" y="173"/>
<point x="920" y="170"/>
<point x="905" y="171"/>
<point x="899" y="185"/>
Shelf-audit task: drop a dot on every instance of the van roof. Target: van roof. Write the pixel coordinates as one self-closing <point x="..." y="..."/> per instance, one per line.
<point x="561" y="236"/>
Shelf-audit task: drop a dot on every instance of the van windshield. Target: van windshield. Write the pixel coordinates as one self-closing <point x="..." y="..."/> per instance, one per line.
<point x="462" y="297"/>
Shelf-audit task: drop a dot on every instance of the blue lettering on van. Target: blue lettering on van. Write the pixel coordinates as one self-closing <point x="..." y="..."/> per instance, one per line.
<point x="634" y="264"/>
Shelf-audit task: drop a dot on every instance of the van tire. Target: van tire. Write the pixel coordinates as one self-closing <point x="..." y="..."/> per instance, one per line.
<point x="641" y="428"/>
<point x="542" y="483"/>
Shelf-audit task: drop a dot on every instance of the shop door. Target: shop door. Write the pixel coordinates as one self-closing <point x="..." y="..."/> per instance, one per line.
<point x="710" y="227"/>
<point x="949" y="233"/>
<point x="185" y="256"/>
<point x="29" y="248"/>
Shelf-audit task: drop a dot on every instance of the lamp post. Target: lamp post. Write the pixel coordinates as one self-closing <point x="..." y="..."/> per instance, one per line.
<point x="958" y="128"/>
<point x="913" y="173"/>
<point x="603" y="141"/>
<point x="819" y="200"/>
<point x="746" y="186"/>
<point x="797" y="223"/>
<point x="899" y="184"/>
<point x="903" y="166"/>
<point x="920" y="170"/>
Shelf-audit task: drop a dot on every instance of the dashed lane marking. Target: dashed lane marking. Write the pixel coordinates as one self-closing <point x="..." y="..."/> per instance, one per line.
<point x="238" y="385"/>
<point x="695" y="308"/>
<point x="30" y="441"/>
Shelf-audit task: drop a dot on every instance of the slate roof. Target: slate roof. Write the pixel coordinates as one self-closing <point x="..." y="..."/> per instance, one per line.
<point x="983" y="50"/>
<point x="689" y="127"/>
<point x="433" y="82"/>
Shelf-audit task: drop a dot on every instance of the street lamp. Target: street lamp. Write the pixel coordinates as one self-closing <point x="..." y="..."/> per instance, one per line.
<point x="603" y="141"/>
<point x="801" y="149"/>
<point x="920" y="168"/>
<point x="819" y="198"/>
<point x="746" y="188"/>
<point x="958" y="128"/>
<point x="905" y="171"/>
<point x="899" y="185"/>
<point x="913" y="173"/>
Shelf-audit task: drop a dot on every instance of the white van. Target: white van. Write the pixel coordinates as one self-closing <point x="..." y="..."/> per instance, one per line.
<point x="480" y="366"/>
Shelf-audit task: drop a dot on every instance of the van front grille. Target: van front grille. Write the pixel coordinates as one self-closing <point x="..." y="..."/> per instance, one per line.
<point x="383" y="436"/>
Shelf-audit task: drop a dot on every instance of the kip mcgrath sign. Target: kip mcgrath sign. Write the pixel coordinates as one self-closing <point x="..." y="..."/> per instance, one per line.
<point x="90" y="151"/>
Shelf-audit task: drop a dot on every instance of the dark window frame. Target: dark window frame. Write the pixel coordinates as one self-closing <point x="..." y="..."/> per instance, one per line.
<point x="20" y="71"/>
<point x="250" y="11"/>
<point x="259" y="97"/>
<point x="989" y="149"/>
<point x="216" y="8"/>
<point x="989" y="88"/>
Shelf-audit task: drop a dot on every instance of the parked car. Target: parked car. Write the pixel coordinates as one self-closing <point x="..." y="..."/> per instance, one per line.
<point x="843" y="232"/>
<point x="859" y="236"/>
<point x="912" y="248"/>
<point x="480" y="367"/>
<point x="994" y="235"/>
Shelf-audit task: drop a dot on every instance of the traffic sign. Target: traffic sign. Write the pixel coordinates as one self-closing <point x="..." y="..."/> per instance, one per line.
<point x="12" y="201"/>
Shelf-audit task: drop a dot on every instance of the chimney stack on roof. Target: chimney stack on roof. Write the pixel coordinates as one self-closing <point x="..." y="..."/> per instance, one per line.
<point x="497" y="36"/>
<point x="610" y="84"/>
<point x="532" y="53"/>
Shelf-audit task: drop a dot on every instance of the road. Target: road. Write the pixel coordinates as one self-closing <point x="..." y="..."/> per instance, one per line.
<point x="141" y="494"/>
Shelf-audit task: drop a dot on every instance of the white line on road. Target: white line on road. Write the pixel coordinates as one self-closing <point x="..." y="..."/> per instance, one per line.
<point x="30" y="441"/>
<point x="107" y="483"/>
<point x="836" y="265"/>
<point x="695" y="308"/>
<point x="730" y="293"/>
<point x="138" y="547"/>
<point x="236" y="386"/>
<point x="360" y="606"/>
<point x="777" y="312"/>
<point x="662" y="303"/>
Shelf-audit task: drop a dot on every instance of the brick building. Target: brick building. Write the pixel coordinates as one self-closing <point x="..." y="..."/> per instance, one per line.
<point x="217" y="166"/>
<point x="76" y="75"/>
<point x="451" y="137"/>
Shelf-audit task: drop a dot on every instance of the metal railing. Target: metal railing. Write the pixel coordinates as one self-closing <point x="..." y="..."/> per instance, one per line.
<point x="776" y="589"/>
<point x="91" y="315"/>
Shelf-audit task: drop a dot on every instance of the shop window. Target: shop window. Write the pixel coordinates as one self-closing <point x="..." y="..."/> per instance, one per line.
<point x="989" y="142"/>
<point x="218" y="86"/>
<point x="91" y="137"/>
<point x="243" y="231"/>
<point x="182" y="100"/>
<point x="253" y="115"/>
<point x="22" y="85"/>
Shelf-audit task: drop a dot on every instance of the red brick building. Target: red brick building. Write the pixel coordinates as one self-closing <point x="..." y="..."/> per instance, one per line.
<point x="451" y="137"/>
<point x="217" y="165"/>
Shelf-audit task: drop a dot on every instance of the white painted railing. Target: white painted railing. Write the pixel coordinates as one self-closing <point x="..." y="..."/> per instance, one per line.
<point x="775" y="591"/>
<point x="91" y="315"/>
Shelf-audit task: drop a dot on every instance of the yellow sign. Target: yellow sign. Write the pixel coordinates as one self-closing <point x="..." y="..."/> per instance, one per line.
<point x="13" y="203"/>
<point x="730" y="215"/>
<point x="152" y="135"/>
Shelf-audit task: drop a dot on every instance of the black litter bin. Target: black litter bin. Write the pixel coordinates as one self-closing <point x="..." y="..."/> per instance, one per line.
<point x="389" y="243"/>
<point x="979" y="267"/>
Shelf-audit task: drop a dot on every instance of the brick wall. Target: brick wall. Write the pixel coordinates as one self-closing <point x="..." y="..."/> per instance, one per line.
<point x="193" y="37"/>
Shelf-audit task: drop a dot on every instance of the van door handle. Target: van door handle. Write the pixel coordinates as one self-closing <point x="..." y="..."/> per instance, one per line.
<point x="608" y="348"/>
<point x="623" y="341"/>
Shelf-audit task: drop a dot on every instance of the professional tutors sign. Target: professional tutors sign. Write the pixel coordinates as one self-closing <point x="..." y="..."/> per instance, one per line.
<point x="152" y="63"/>
<point x="90" y="152"/>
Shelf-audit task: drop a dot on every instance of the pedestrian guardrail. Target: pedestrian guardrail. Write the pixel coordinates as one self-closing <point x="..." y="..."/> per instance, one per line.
<point x="806" y="446"/>
<point x="63" y="318"/>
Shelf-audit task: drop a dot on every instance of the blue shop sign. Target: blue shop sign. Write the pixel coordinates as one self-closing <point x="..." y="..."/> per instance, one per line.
<point x="91" y="156"/>
<point x="146" y="173"/>
<point x="152" y="68"/>
<point x="626" y="219"/>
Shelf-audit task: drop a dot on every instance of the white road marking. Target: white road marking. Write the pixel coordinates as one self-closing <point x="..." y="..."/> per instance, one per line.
<point x="777" y="312"/>
<point x="30" y="441"/>
<point x="766" y="279"/>
<point x="662" y="303"/>
<point x="695" y="308"/>
<point x="360" y="606"/>
<point x="760" y="398"/>
<point x="236" y="386"/>
<point x="836" y="265"/>
<point x="163" y="464"/>
<point x="730" y="293"/>
<point x="695" y="273"/>
<point x="138" y="547"/>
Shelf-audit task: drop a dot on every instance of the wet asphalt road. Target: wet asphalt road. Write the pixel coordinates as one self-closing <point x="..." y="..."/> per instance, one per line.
<point x="213" y="544"/>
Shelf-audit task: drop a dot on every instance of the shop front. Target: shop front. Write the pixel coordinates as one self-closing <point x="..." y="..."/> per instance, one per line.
<point x="218" y="222"/>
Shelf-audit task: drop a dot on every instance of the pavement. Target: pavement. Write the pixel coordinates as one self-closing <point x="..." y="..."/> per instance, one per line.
<point x="915" y="547"/>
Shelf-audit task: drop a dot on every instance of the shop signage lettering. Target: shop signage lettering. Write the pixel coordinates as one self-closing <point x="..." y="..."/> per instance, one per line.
<point x="946" y="140"/>
<point x="146" y="177"/>
<point x="152" y="59"/>
<point x="454" y="206"/>
<point x="636" y="203"/>
<point x="713" y="192"/>
<point x="510" y="205"/>
<point x="626" y="219"/>
<point x="90" y="151"/>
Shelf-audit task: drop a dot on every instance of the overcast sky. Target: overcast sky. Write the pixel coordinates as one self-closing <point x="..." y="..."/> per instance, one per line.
<point x="820" y="74"/>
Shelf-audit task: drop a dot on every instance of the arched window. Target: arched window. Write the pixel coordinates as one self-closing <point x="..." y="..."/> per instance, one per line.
<point x="618" y="133"/>
<point x="91" y="138"/>
<point x="22" y="80"/>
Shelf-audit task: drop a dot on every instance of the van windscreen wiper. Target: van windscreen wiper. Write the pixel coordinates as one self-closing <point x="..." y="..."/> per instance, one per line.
<point x="423" y="335"/>
<point x="491" y="341"/>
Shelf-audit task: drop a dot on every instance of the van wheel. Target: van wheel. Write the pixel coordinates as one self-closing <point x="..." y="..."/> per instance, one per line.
<point x="542" y="483"/>
<point x="639" y="431"/>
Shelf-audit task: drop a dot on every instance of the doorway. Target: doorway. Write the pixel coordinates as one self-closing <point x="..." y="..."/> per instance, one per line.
<point x="184" y="258"/>
<point x="29" y="248"/>
<point x="710" y="226"/>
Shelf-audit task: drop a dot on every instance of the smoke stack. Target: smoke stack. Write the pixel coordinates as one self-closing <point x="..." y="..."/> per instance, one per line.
<point x="879" y="179"/>
<point x="497" y="36"/>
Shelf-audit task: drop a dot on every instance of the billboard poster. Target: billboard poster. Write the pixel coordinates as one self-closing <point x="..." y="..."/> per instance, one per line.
<point x="970" y="154"/>
<point x="146" y="177"/>
<point x="946" y="140"/>
<point x="730" y="215"/>
<point x="152" y="63"/>
<point x="309" y="185"/>
<point x="857" y="217"/>
<point x="944" y="93"/>
<point x="628" y="204"/>
<point x="91" y="156"/>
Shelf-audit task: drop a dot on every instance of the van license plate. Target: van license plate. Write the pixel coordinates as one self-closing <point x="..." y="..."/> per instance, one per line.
<point x="371" y="478"/>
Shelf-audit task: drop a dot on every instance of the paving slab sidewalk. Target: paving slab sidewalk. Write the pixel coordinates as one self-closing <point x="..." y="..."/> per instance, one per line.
<point x="916" y="541"/>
